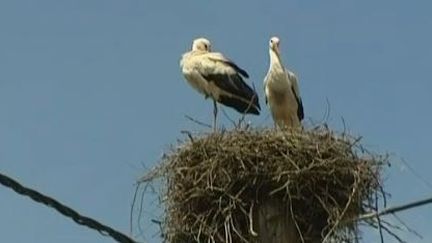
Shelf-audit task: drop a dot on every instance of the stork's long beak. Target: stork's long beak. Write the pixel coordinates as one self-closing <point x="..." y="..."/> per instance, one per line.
<point x="275" y="48"/>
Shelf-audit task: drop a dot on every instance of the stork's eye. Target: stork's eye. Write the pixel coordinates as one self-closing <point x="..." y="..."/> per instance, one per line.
<point x="271" y="41"/>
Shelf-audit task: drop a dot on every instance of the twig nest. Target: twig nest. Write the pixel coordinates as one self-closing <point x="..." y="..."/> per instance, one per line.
<point x="214" y="183"/>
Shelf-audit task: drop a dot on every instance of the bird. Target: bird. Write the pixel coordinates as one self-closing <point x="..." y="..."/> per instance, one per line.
<point x="215" y="76"/>
<point x="282" y="94"/>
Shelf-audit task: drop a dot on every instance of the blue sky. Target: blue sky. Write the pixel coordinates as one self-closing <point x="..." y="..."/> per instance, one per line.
<point x="91" y="93"/>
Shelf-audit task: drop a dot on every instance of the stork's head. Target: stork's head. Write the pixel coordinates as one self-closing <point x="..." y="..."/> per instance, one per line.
<point x="274" y="44"/>
<point x="201" y="44"/>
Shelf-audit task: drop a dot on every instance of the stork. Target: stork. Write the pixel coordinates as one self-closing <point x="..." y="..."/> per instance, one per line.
<point x="281" y="91"/>
<point x="215" y="76"/>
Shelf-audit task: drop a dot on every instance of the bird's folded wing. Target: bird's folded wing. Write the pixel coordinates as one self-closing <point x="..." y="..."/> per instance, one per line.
<point x="266" y="78"/>
<point x="295" y="89"/>
<point x="213" y="67"/>
<point x="218" y="57"/>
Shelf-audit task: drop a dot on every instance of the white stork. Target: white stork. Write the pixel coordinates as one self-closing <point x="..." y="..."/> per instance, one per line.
<point x="282" y="91"/>
<point x="215" y="76"/>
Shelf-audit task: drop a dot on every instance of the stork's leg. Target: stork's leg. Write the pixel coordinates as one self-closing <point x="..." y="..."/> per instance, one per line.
<point x="215" y="111"/>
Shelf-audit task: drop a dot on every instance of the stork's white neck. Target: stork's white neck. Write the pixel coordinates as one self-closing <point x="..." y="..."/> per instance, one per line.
<point x="275" y="60"/>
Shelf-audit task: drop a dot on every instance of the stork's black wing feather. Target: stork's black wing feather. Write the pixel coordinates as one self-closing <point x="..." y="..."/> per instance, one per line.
<point x="239" y="95"/>
<point x="237" y="68"/>
<point x="300" y="111"/>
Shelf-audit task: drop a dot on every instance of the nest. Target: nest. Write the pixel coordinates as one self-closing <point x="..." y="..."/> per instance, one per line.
<point x="214" y="184"/>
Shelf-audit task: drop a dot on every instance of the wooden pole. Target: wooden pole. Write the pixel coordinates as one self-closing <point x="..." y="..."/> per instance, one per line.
<point x="274" y="223"/>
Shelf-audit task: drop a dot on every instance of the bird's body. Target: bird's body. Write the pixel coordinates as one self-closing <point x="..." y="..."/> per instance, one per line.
<point x="215" y="76"/>
<point x="282" y="92"/>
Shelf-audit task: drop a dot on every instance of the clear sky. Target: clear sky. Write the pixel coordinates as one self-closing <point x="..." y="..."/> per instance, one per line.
<point x="91" y="91"/>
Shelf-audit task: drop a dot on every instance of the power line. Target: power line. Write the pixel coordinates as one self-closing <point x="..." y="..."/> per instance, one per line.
<point x="395" y="209"/>
<point x="64" y="210"/>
